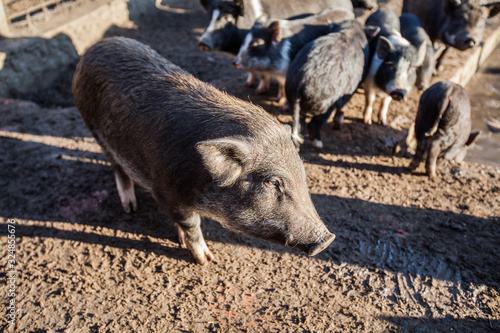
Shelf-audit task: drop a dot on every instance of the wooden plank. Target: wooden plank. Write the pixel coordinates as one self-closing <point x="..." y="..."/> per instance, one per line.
<point x="4" y="22"/>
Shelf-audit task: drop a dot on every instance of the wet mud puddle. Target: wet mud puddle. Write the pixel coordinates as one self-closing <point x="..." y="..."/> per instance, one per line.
<point x="484" y="93"/>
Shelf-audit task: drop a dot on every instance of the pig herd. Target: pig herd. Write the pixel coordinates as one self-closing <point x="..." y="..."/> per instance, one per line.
<point x="201" y="152"/>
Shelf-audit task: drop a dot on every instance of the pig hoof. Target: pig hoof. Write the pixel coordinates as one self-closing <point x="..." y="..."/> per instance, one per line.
<point x="203" y="256"/>
<point x="318" y="144"/>
<point x="128" y="200"/>
<point x="297" y="140"/>
<point x="367" y="121"/>
<point x="281" y="101"/>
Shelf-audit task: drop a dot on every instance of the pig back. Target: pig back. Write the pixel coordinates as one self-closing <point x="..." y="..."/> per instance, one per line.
<point x="285" y="9"/>
<point x="149" y="114"/>
<point x="444" y="107"/>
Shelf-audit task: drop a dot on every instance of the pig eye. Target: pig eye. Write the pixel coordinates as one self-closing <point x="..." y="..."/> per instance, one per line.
<point x="276" y="183"/>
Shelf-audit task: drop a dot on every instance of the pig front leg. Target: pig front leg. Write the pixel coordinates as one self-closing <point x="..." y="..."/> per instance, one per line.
<point x="125" y="186"/>
<point x="281" y="98"/>
<point x="369" y="100"/>
<point x="383" y="110"/>
<point x="264" y="84"/>
<point x="338" y="119"/>
<point x="191" y="237"/>
<point x="252" y="76"/>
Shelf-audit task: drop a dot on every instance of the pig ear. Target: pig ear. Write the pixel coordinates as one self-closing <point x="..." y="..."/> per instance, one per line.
<point x="494" y="9"/>
<point x="371" y="31"/>
<point x="384" y="47"/>
<point x="472" y="138"/>
<point x="437" y="52"/>
<point x="421" y="52"/>
<point x="275" y="28"/>
<point x="224" y="158"/>
<point x="454" y="3"/>
<point x="205" y="3"/>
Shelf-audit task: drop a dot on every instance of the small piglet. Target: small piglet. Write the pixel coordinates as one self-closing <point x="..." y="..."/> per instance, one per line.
<point x="443" y="125"/>
<point x="393" y="65"/>
<point x="323" y="77"/>
<point x="198" y="151"/>
<point x="413" y="31"/>
<point x="272" y="44"/>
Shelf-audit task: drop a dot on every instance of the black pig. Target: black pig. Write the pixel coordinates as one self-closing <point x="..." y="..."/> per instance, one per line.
<point x="442" y="126"/>
<point x="457" y="23"/>
<point x="324" y="75"/>
<point x="393" y="64"/>
<point x="198" y="151"/>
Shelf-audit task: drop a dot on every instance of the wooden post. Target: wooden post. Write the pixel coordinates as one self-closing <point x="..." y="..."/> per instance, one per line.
<point x="4" y="21"/>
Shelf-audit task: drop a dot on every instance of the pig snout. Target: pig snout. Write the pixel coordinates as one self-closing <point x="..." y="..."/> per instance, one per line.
<point x="237" y="64"/>
<point x="314" y="248"/>
<point x="398" y="94"/>
<point x="205" y="45"/>
<point x="309" y="235"/>
<point x="469" y="42"/>
<point x="422" y="86"/>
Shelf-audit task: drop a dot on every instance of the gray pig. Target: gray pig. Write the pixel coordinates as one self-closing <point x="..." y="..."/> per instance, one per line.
<point x="323" y="77"/>
<point x="457" y="23"/>
<point x="198" y="151"/>
<point x="413" y="31"/>
<point x="442" y="126"/>
<point x="271" y="45"/>
<point x="393" y="65"/>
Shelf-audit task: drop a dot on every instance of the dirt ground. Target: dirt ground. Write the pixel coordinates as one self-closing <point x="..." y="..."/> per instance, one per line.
<point x="412" y="254"/>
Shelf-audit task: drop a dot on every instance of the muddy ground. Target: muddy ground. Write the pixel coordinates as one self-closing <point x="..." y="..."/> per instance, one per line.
<point x="412" y="254"/>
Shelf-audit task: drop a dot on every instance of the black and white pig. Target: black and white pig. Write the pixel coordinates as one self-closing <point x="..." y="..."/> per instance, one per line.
<point x="413" y="31"/>
<point x="394" y="62"/>
<point x="272" y="44"/>
<point x="323" y="77"/>
<point x="198" y="151"/>
<point x="443" y="125"/>
<point x="230" y="21"/>
<point x="456" y="23"/>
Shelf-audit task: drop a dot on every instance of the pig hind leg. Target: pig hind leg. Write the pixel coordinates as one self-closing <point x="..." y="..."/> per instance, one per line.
<point x="191" y="237"/>
<point x="125" y="186"/>
<point x="297" y="120"/>
<point x="419" y="154"/>
<point x="315" y="129"/>
<point x="434" y="150"/>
